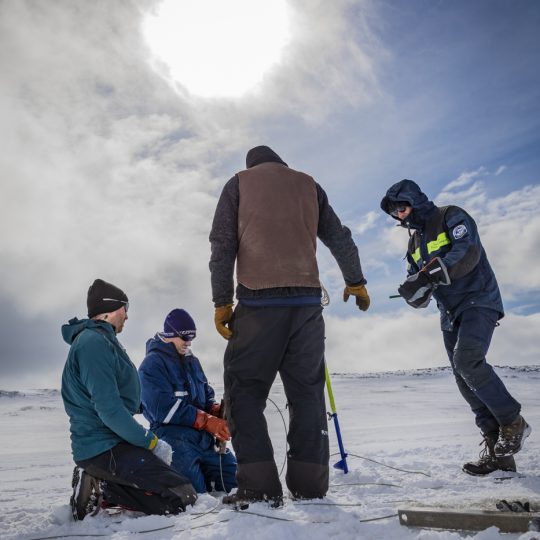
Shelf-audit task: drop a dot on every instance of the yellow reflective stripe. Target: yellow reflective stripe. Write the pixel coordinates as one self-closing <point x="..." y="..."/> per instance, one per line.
<point x="434" y="245"/>
<point x="153" y="443"/>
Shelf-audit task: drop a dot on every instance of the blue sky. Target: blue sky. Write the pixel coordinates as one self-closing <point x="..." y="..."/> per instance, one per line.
<point x="112" y="170"/>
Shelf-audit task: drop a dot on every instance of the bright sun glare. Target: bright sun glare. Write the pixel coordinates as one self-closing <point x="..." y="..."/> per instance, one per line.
<point x="218" y="48"/>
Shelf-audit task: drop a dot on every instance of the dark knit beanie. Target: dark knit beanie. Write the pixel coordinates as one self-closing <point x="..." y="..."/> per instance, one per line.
<point x="179" y="323"/>
<point x="262" y="154"/>
<point x="104" y="297"/>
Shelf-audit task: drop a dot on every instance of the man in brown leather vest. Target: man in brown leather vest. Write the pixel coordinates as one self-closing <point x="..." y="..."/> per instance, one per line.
<point x="267" y="221"/>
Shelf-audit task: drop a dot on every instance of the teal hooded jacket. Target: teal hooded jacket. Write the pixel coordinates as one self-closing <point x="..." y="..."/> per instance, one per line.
<point x="100" y="390"/>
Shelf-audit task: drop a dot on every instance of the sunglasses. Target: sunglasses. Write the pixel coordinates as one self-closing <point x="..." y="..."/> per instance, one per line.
<point x="187" y="337"/>
<point x="397" y="210"/>
<point x="126" y="304"/>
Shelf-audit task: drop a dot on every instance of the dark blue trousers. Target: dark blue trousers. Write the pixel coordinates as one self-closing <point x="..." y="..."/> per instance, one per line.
<point x="467" y="345"/>
<point x="204" y="467"/>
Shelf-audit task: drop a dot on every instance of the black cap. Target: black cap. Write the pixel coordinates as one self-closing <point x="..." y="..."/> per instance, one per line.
<point x="104" y="297"/>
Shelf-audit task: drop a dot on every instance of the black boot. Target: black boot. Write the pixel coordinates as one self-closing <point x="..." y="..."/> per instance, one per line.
<point x="87" y="495"/>
<point x="488" y="461"/>
<point x="243" y="497"/>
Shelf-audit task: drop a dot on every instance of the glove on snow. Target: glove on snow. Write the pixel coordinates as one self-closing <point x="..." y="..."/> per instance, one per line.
<point x="163" y="450"/>
<point x="361" y="294"/>
<point x="223" y="316"/>
<point x="215" y="426"/>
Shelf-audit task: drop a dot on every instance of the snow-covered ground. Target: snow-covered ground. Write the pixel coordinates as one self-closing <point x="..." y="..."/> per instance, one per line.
<point x="413" y="420"/>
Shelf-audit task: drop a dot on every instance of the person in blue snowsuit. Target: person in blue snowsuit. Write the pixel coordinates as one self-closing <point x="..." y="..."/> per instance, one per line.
<point x="446" y="260"/>
<point x="181" y="408"/>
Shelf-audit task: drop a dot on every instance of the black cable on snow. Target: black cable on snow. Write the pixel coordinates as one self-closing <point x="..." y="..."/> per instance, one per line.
<point x="315" y="522"/>
<point x="285" y="428"/>
<point x="385" y="465"/>
<point x="366" y="484"/>
<point x="247" y="512"/>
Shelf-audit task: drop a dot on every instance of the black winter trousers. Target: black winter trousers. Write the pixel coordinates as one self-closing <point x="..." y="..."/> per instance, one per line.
<point x="136" y="479"/>
<point x="288" y="341"/>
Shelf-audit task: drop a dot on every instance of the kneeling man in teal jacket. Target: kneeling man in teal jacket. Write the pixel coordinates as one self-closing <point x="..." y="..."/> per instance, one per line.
<point x="119" y="462"/>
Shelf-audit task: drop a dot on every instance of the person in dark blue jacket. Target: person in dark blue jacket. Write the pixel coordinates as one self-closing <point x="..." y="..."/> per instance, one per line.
<point x="181" y="408"/>
<point x="447" y="261"/>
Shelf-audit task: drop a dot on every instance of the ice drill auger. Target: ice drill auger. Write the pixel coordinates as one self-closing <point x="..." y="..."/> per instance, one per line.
<point x="342" y="463"/>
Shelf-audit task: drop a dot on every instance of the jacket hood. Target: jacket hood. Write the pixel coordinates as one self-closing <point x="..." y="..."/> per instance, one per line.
<point x="75" y="326"/>
<point x="408" y="191"/>
<point x="262" y="154"/>
<point x="155" y="345"/>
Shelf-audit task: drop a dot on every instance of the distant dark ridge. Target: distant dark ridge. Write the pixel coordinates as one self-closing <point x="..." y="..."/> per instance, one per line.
<point x="47" y="391"/>
<point x="423" y="372"/>
<point x="11" y="393"/>
<point x="51" y="392"/>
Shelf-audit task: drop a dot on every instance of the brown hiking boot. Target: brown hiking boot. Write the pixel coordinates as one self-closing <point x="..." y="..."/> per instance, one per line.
<point x="488" y="461"/>
<point x="511" y="437"/>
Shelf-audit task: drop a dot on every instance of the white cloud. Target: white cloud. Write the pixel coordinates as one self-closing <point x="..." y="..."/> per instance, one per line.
<point x="463" y="179"/>
<point x="474" y="197"/>
<point x="107" y="171"/>
<point x="510" y="227"/>
<point x="366" y="222"/>
<point x="411" y="339"/>
<point x="510" y="231"/>
<point x="332" y="59"/>
<point x="456" y="192"/>
<point x="401" y="340"/>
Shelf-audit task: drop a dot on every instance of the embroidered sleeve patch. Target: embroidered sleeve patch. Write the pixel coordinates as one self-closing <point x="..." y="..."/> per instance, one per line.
<point x="459" y="231"/>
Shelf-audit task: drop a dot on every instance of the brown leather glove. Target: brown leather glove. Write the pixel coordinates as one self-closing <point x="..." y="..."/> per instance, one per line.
<point x="215" y="426"/>
<point x="361" y="294"/>
<point x="223" y="316"/>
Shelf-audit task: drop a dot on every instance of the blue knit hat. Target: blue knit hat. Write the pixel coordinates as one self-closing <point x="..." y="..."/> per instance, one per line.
<point x="179" y="323"/>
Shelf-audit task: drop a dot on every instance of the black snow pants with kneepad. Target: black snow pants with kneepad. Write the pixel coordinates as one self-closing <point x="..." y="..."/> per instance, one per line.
<point x="289" y="341"/>
<point x="136" y="479"/>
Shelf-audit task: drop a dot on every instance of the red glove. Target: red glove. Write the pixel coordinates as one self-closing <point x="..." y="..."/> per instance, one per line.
<point x="215" y="426"/>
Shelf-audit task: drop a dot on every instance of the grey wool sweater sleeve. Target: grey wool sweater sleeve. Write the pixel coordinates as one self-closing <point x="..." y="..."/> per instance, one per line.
<point x="224" y="244"/>
<point x="338" y="239"/>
